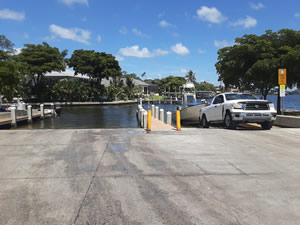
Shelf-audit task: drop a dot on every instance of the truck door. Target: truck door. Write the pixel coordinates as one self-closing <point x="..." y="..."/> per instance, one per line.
<point x="217" y="107"/>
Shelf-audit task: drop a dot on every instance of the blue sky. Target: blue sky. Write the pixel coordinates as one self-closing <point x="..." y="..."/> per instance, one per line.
<point x="160" y="38"/>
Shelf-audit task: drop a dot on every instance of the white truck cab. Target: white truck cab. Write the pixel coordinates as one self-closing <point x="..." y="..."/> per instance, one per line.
<point x="235" y="108"/>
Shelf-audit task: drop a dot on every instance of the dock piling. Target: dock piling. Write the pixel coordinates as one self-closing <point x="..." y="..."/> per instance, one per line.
<point x="145" y="119"/>
<point x="29" y="113"/>
<point x="141" y="101"/>
<point x="53" y="109"/>
<point x="169" y="118"/>
<point x="42" y="111"/>
<point x="153" y="109"/>
<point x="141" y="117"/>
<point x="13" y="117"/>
<point x="162" y="115"/>
<point x="156" y="112"/>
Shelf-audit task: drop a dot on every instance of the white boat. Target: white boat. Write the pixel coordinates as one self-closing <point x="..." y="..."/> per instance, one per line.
<point x="191" y="112"/>
<point x="192" y="109"/>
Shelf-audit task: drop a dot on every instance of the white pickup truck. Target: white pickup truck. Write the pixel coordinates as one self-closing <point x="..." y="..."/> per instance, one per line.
<point x="234" y="108"/>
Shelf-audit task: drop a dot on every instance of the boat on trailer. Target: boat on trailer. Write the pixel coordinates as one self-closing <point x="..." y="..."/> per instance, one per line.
<point x="191" y="110"/>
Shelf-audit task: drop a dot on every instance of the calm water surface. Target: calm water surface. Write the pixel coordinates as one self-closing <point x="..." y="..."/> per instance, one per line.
<point x="84" y="117"/>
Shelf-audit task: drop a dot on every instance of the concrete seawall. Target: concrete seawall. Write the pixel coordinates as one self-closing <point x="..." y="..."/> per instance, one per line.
<point x="287" y="121"/>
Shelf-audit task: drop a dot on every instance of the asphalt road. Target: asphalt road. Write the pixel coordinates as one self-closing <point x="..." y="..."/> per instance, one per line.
<point x="197" y="176"/>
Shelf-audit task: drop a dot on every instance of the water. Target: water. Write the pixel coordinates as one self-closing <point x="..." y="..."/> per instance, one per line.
<point x="84" y="117"/>
<point x="291" y="102"/>
<point x="123" y="116"/>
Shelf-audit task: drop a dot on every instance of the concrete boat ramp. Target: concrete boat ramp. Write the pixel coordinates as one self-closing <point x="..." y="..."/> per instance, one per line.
<point x="126" y="176"/>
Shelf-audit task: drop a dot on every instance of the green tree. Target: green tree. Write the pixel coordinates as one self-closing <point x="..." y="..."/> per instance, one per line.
<point x="96" y="65"/>
<point x="205" y="86"/>
<point x="252" y="63"/>
<point x="171" y="83"/>
<point x="38" y="60"/>
<point x="130" y="75"/>
<point x="10" y="71"/>
<point x="191" y="76"/>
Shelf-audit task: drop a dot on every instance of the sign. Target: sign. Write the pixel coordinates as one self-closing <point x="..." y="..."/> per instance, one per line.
<point x="282" y="91"/>
<point x="282" y="76"/>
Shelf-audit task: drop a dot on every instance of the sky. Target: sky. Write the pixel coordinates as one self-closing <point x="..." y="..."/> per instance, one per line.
<point x="161" y="38"/>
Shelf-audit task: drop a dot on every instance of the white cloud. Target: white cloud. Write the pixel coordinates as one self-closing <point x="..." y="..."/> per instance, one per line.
<point x="75" y="34"/>
<point x="257" y="6"/>
<point x="123" y="30"/>
<point x="71" y="2"/>
<point x="135" y="51"/>
<point x="248" y="22"/>
<point x="180" y="49"/>
<point x="17" y="51"/>
<point x="99" y="38"/>
<point x="119" y="58"/>
<point x="165" y="24"/>
<point x="201" y="51"/>
<point x="221" y="44"/>
<point x="212" y="15"/>
<point x="139" y="33"/>
<point x="7" y="14"/>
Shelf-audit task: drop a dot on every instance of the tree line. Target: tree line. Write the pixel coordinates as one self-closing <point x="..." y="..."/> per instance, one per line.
<point x="23" y="74"/>
<point x="253" y="61"/>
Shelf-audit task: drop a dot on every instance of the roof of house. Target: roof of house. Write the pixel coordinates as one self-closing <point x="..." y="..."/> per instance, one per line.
<point x="105" y="82"/>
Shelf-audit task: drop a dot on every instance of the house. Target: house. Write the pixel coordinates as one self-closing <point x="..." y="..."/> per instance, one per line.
<point x="68" y="74"/>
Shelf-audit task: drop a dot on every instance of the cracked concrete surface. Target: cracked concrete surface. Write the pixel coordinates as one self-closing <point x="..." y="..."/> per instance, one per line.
<point x="126" y="176"/>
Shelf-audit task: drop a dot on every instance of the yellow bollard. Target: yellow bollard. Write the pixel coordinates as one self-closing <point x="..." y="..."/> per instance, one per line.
<point x="149" y="121"/>
<point x="178" y="125"/>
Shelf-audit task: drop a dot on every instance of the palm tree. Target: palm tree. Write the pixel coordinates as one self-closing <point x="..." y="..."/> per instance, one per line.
<point x="191" y="76"/>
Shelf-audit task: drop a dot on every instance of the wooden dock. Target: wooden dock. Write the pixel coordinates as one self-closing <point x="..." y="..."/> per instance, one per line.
<point x="8" y="120"/>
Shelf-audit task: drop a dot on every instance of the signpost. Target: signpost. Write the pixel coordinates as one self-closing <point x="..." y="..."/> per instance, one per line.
<point x="281" y="83"/>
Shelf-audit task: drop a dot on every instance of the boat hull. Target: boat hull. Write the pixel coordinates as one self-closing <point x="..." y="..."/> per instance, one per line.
<point x="191" y="113"/>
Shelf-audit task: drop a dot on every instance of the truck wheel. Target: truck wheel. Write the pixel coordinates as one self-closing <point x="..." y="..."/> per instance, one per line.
<point x="229" y="123"/>
<point x="267" y="125"/>
<point x="205" y="124"/>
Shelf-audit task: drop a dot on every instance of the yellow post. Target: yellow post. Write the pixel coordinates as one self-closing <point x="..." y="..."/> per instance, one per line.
<point x="149" y="121"/>
<point x="178" y="125"/>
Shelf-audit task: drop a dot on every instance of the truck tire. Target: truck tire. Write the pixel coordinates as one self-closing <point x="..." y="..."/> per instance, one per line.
<point x="205" y="123"/>
<point x="229" y="123"/>
<point x="267" y="125"/>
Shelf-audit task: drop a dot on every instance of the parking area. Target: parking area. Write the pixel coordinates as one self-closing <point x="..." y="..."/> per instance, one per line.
<point x="126" y="176"/>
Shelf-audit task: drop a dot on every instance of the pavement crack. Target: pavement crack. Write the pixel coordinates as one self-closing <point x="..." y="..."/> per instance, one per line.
<point x="92" y="180"/>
